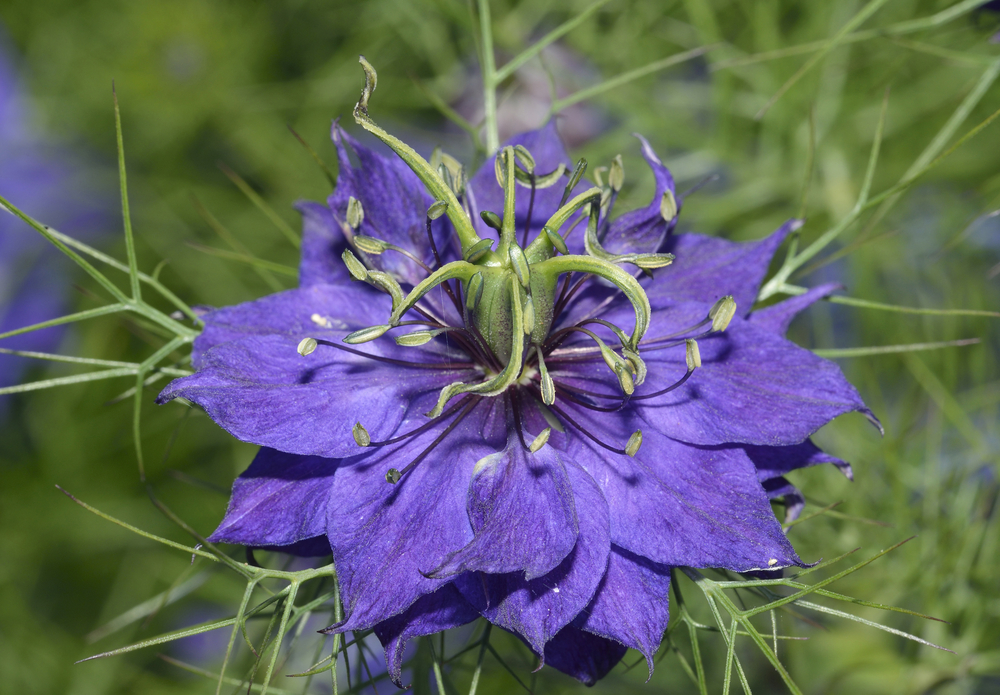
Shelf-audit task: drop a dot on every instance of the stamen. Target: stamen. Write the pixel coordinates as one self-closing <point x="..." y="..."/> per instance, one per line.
<point x="422" y="428"/>
<point x="578" y="172"/>
<point x="630" y="448"/>
<point x="393" y="476"/>
<point x="306" y="346"/>
<point x="400" y="363"/>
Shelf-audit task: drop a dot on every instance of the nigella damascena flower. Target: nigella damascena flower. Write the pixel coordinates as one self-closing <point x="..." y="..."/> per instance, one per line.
<point x="568" y="417"/>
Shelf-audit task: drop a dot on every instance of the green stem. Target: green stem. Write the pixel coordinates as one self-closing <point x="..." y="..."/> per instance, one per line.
<point x="489" y="69"/>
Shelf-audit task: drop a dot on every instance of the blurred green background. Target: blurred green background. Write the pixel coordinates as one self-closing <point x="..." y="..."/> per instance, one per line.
<point x="204" y="82"/>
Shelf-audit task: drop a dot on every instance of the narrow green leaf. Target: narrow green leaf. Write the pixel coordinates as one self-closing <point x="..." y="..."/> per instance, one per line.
<point x="148" y="607"/>
<point x="867" y="11"/>
<point x="133" y="264"/>
<point x="240" y="685"/>
<point x="259" y="263"/>
<point x="67" y="358"/>
<point x="836" y="353"/>
<point x="870" y="623"/>
<point x="868" y="304"/>
<point x="554" y="35"/>
<point x="240" y="250"/>
<point x="148" y="279"/>
<point x="629" y="76"/>
<point x="133" y="529"/>
<point x="262" y="205"/>
<point x="68" y="380"/>
<point x="331" y="179"/>
<point x="70" y="318"/>
<point x="163" y="639"/>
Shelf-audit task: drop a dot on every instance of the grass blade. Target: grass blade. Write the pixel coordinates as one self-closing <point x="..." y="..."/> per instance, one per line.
<point x="69" y="318"/>
<point x="262" y="205"/>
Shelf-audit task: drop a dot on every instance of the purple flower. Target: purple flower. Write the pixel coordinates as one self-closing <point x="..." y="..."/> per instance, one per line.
<point x="32" y="176"/>
<point x="556" y="434"/>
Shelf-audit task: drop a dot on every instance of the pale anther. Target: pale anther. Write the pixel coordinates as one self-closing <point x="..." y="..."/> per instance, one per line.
<point x="392" y="476"/>
<point x="355" y="212"/>
<point x="692" y="355"/>
<point x="634" y="442"/>
<point x="616" y="175"/>
<point x="355" y="267"/>
<point x="307" y="346"/>
<point x="668" y="206"/>
<point x="361" y="436"/>
<point x="722" y="313"/>
<point x="365" y="334"/>
<point x="540" y="440"/>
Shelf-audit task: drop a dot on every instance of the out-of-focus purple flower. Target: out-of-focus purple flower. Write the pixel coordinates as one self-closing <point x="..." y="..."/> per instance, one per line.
<point x="568" y="541"/>
<point x="45" y="181"/>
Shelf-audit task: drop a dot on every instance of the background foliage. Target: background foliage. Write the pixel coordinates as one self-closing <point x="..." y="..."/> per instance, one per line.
<point x="204" y="82"/>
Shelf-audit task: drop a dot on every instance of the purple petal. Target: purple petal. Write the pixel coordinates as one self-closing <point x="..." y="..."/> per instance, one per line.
<point x="795" y="502"/>
<point x="279" y="500"/>
<point x="260" y="390"/>
<point x="776" y="461"/>
<point x="643" y="230"/>
<point x="341" y="308"/>
<point x="441" y="610"/>
<point x="522" y="512"/>
<point x="677" y="504"/>
<point x="580" y="654"/>
<point x="549" y="152"/>
<point x="322" y="245"/>
<point x="395" y="206"/>
<point x="631" y="605"/>
<point x="778" y="317"/>
<point x="385" y="537"/>
<point x="538" y="609"/>
<point x="753" y="387"/>
<point x="708" y="268"/>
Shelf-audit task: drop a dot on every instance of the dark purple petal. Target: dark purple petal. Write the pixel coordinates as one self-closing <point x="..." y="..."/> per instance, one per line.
<point x="322" y="245"/>
<point x="753" y="387"/>
<point x="778" y="317"/>
<point x="632" y="604"/>
<point x="677" y="504"/>
<point x="279" y="500"/>
<point x="776" y="461"/>
<point x="643" y="230"/>
<point x="441" y="610"/>
<point x="522" y="512"/>
<point x="536" y="610"/>
<point x="485" y="193"/>
<point x="385" y="537"/>
<point x="795" y="502"/>
<point x="580" y="654"/>
<point x="260" y="390"/>
<point x="707" y="268"/>
<point x="340" y="308"/>
<point x="395" y="205"/>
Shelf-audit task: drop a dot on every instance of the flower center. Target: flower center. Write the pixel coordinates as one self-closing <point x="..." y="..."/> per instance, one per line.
<point x="510" y="296"/>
